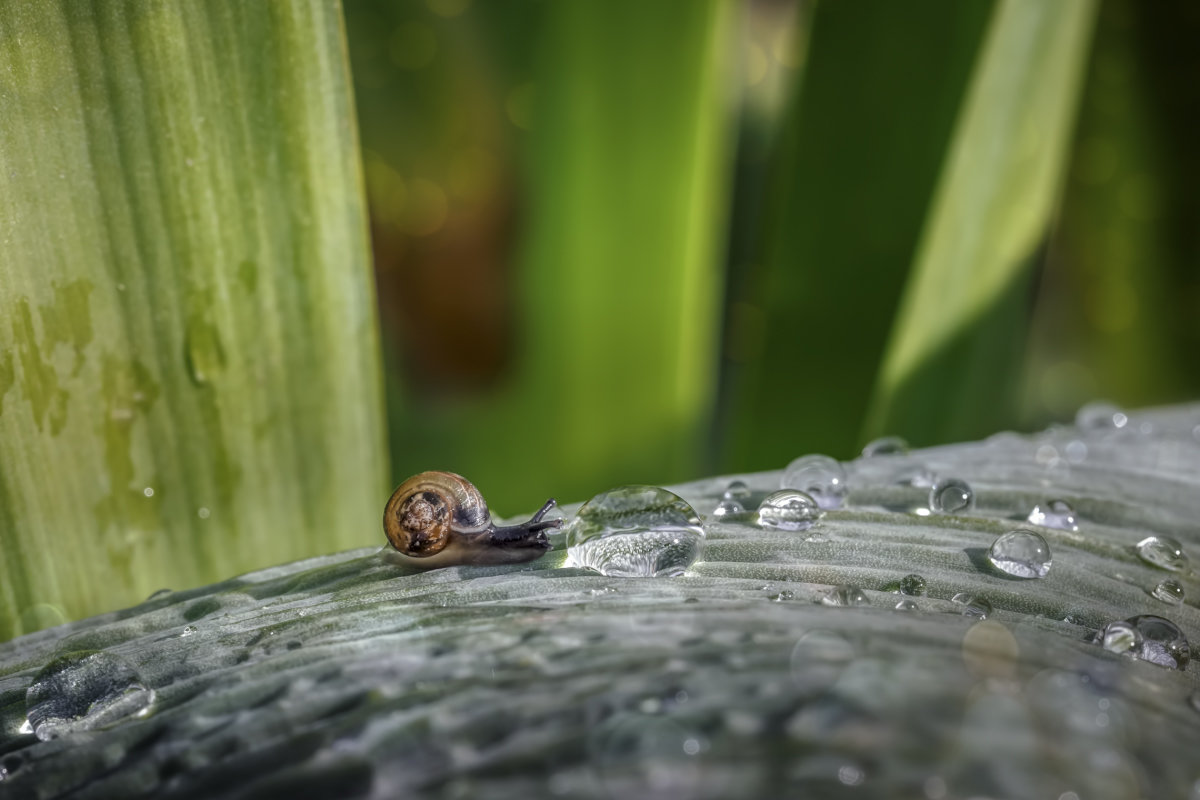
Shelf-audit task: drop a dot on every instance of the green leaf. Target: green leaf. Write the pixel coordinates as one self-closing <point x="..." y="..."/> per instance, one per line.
<point x="847" y="188"/>
<point x="951" y="368"/>
<point x="349" y="676"/>
<point x="189" y="382"/>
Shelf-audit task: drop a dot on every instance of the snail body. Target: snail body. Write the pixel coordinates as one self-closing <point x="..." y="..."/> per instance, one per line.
<point x="439" y="519"/>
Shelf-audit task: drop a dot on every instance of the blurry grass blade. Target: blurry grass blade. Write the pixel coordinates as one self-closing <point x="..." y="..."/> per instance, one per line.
<point x="189" y="383"/>
<point x="964" y="302"/>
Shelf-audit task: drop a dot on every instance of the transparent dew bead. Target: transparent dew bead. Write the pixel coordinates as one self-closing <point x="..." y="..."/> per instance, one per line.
<point x="1100" y="417"/>
<point x="906" y="605"/>
<point x="951" y="496"/>
<point x="1169" y="591"/>
<point x="844" y="596"/>
<point x="885" y="446"/>
<point x="918" y="477"/>
<point x="819" y="476"/>
<point x="788" y="510"/>
<point x="1163" y="643"/>
<point x="973" y="605"/>
<point x="737" y="491"/>
<point x="84" y="691"/>
<point x="912" y="585"/>
<point x="1021" y="554"/>
<point x="1120" y="637"/>
<point x="1056" y="514"/>
<point x="728" y="508"/>
<point x="636" y="531"/>
<point x="1163" y="552"/>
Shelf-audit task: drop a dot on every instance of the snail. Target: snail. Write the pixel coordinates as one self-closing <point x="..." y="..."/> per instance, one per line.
<point x="439" y="519"/>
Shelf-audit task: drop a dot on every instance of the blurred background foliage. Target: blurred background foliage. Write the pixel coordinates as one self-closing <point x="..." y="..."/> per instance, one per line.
<point x="622" y="242"/>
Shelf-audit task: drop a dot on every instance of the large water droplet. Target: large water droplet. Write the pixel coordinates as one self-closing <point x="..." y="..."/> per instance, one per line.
<point x="1100" y="417"/>
<point x="885" y="446"/>
<point x="913" y="585"/>
<point x="819" y="476"/>
<point x="1164" y="552"/>
<point x="973" y="605"/>
<point x="788" y="510"/>
<point x="636" y="531"/>
<point x="1120" y="637"/>
<point x="1054" y="514"/>
<point x="83" y="691"/>
<point x="727" y="508"/>
<point x="1020" y="553"/>
<point x="951" y="496"/>
<point x="1163" y="643"/>
<point x="1169" y="591"/>
<point x="737" y="491"/>
<point x="844" y="596"/>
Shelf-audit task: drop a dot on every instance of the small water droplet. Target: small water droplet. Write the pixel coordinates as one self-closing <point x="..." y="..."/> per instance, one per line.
<point x="1020" y="553"/>
<point x="951" y="496"/>
<point x="821" y="477"/>
<point x="912" y="584"/>
<point x="83" y="691"/>
<point x="1169" y="591"/>
<point x="188" y="630"/>
<point x="973" y="605"/>
<point x="1076" y="451"/>
<point x="906" y="605"/>
<point x="844" y="596"/>
<point x="737" y="491"/>
<point x="148" y="491"/>
<point x="636" y="531"/>
<point x="203" y="513"/>
<point x="1054" y="514"/>
<point x="1163" y="643"/>
<point x="1120" y="637"/>
<point x="788" y="510"/>
<point x="1098" y="417"/>
<point x="786" y="594"/>
<point x="728" y="507"/>
<point x="885" y="446"/>
<point x="1163" y="552"/>
<point x="918" y="477"/>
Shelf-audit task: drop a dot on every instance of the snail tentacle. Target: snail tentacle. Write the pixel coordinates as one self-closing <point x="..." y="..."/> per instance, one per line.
<point x="531" y="528"/>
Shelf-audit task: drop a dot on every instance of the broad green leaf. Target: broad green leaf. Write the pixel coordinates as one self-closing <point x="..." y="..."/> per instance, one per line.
<point x="951" y="367"/>
<point x="347" y="676"/>
<point x="814" y="288"/>
<point x="189" y="383"/>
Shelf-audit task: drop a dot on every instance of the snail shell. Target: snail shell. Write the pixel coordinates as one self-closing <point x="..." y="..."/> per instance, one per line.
<point x="437" y="519"/>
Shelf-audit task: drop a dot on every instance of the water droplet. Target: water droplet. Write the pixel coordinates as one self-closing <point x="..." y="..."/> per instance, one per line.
<point x="1020" y="553"/>
<point x="737" y="491"/>
<point x="973" y="605"/>
<point x="727" y="508"/>
<point x="1163" y="552"/>
<point x="788" y="510"/>
<point x="819" y="476"/>
<point x="83" y="691"/>
<point x="844" y="596"/>
<point x="1163" y="643"/>
<point x="636" y="531"/>
<point x="913" y="585"/>
<point x="1169" y="591"/>
<point x="885" y="446"/>
<point x="1054" y="514"/>
<point x="951" y="496"/>
<point x="906" y="605"/>
<point x="918" y="477"/>
<point x="203" y="513"/>
<point x="786" y="594"/>
<point x="188" y="630"/>
<point x="1076" y="451"/>
<point x="1120" y="637"/>
<point x="148" y="491"/>
<point x="1099" y="417"/>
